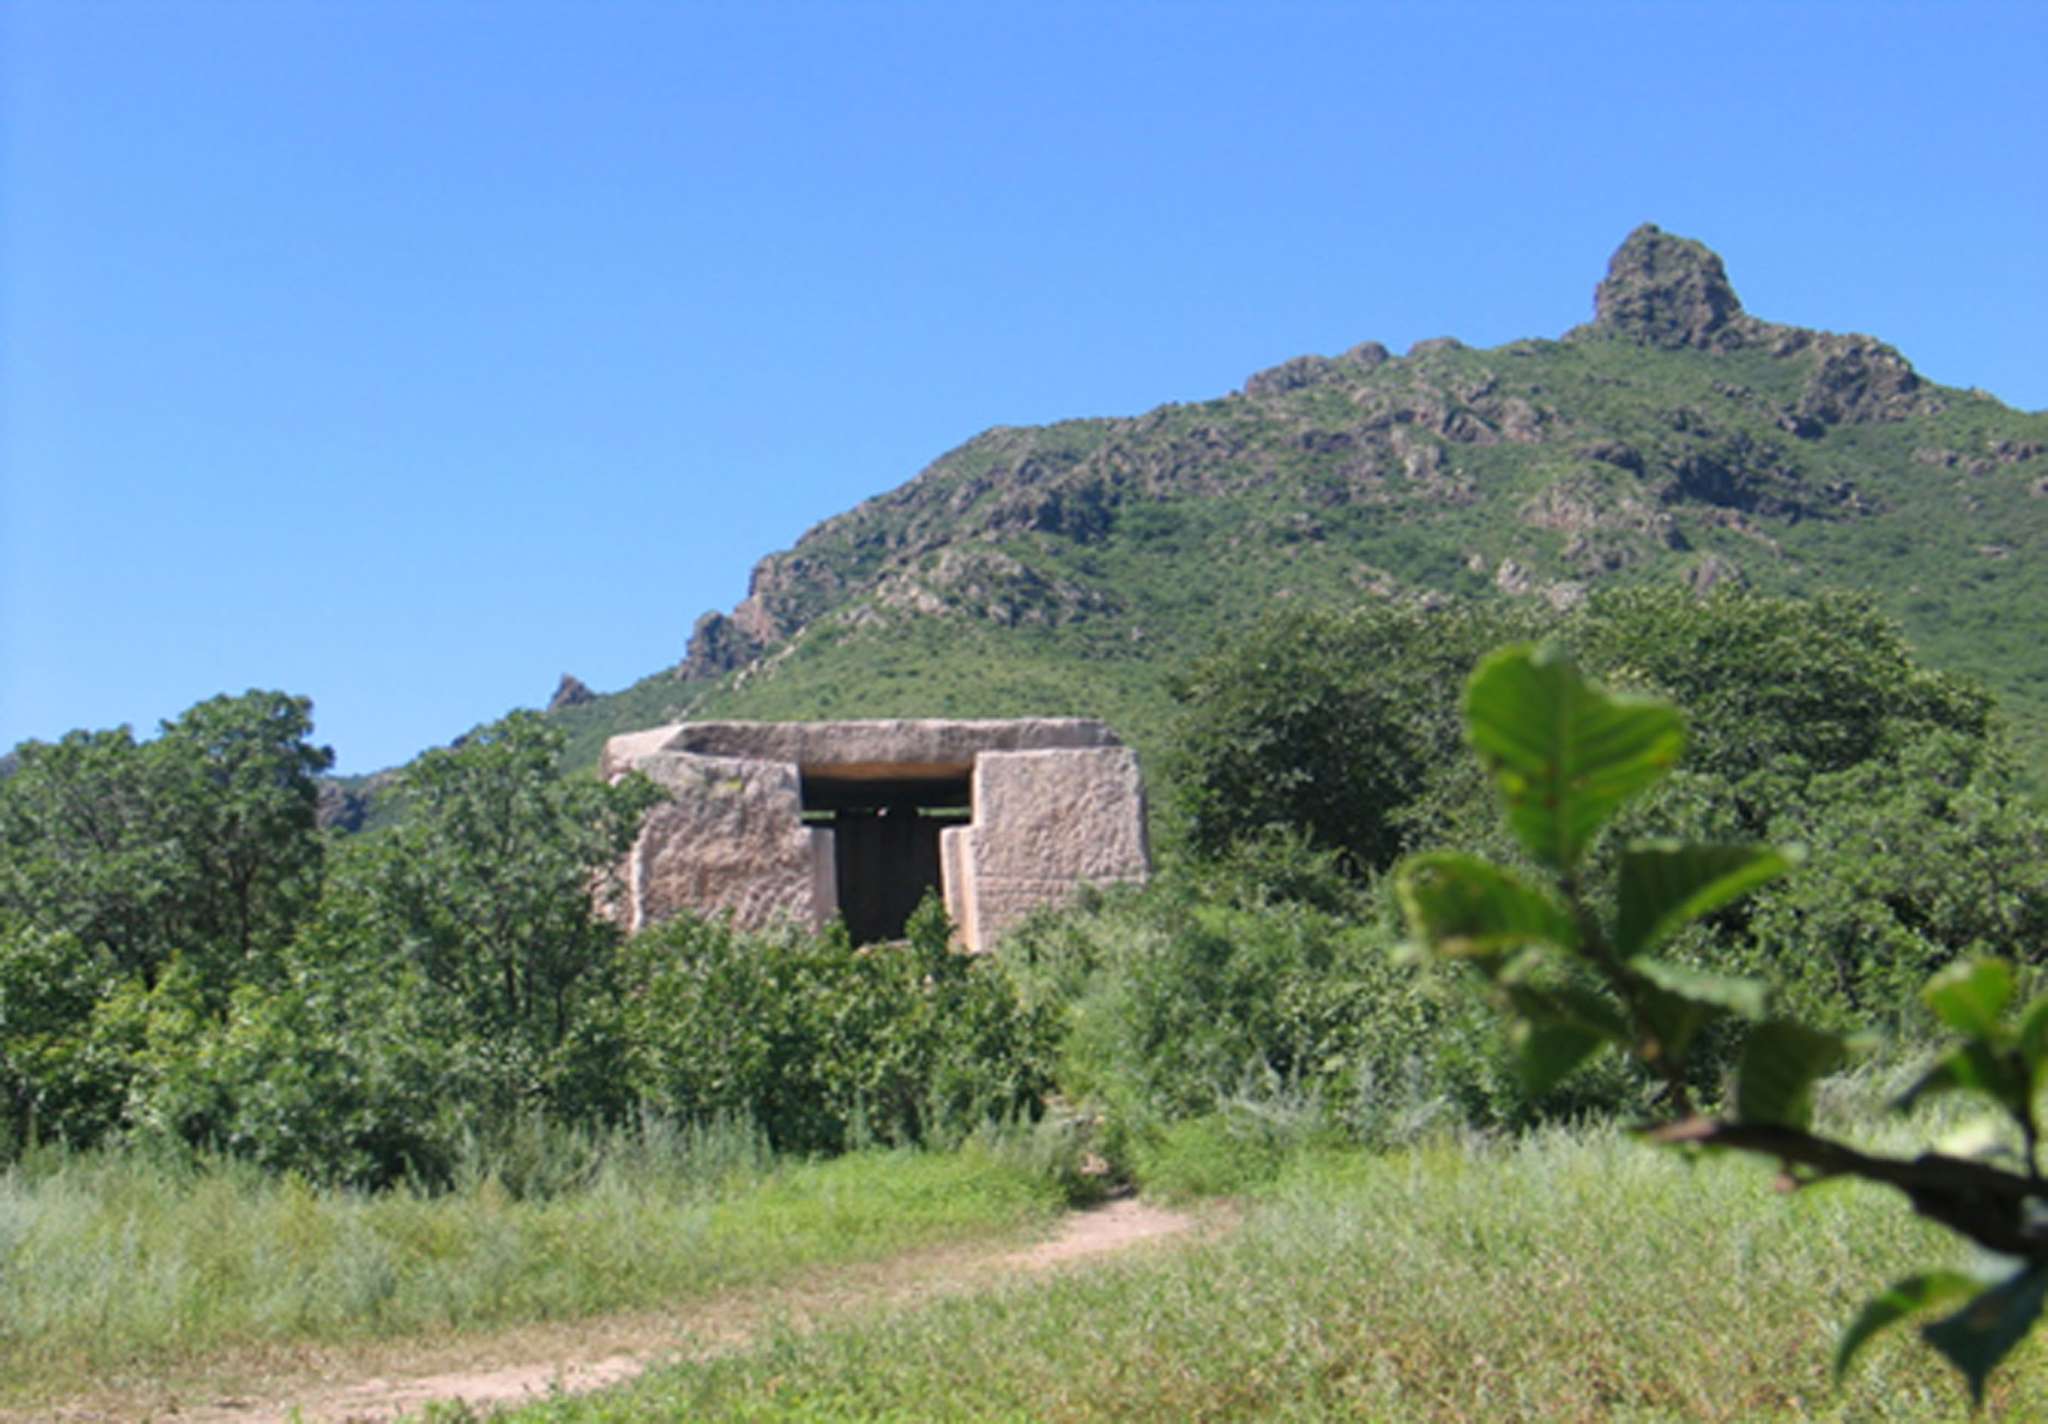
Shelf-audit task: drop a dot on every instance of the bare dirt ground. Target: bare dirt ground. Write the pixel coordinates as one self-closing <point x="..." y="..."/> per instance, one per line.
<point x="381" y="1383"/>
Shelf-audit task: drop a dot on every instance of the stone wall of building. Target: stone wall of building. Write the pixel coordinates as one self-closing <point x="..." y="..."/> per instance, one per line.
<point x="1055" y="803"/>
<point x="730" y="838"/>
<point x="1045" y="823"/>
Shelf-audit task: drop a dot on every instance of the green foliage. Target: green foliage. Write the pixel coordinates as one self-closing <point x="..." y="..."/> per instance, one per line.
<point x="1819" y="728"/>
<point x="1331" y="724"/>
<point x="200" y="842"/>
<point x="58" y="1080"/>
<point x="1263" y="991"/>
<point x="344" y="1073"/>
<point x="1346" y="725"/>
<point x="824" y="1046"/>
<point x="123" y="864"/>
<point x="485" y="892"/>
<point x="1564" y="755"/>
<point x="239" y="772"/>
<point x="1917" y="860"/>
<point x="89" y="848"/>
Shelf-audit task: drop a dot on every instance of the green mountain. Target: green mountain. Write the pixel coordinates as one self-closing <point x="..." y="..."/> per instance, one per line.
<point x="1071" y="568"/>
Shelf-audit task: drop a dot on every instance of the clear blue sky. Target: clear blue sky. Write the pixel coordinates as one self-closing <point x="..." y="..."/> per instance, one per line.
<point x="407" y="355"/>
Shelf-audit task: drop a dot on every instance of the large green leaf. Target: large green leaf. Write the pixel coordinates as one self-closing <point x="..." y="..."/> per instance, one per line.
<point x="1676" y="1002"/>
<point x="1983" y="1332"/>
<point x="1563" y="753"/>
<point x="1974" y="1067"/>
<point x="1666" y="884"/>
<point x="1903" y="1298"/>
<point x="1971" y="997"/>
<point x="1569" y="1004"/>
<point x="1780" y="1064"/>
<point x="1546" y="1053"/>
<point x="2033" y="1040"/>
<point x="1675" y="1019"/>
<point x="1461" y="905"/>
<point x="1716" y="991"/>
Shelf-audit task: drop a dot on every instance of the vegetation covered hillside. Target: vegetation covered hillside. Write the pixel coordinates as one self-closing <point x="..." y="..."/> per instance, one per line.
<point x="1069" y="568"/>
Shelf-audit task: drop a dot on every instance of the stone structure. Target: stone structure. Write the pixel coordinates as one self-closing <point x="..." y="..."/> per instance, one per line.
<point x="802" y="821"/>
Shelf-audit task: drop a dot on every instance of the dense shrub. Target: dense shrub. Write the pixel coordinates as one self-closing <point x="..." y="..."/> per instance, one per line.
<point x="1342" y="725"/>
<point x="1215" y="992"/>
<point x="1811" y="722"/>
<point x="484" y="893"/>
<point x="823" y="1045"/>
<point x="1331" y="723"/>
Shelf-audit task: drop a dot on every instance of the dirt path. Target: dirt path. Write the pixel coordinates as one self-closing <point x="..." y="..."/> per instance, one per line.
<point x="523" y="1365"/>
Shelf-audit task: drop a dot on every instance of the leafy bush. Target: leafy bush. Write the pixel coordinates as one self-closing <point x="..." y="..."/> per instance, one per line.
<point x="1325" y="723"/>
<point x="825" y="1046"/>
<point x="1219" y="993"/>
<point x="1815" y="724"/>
<point x="342" y="1075"/>
<point x="59" y="1080"/>
<point x="1575" y="980"/>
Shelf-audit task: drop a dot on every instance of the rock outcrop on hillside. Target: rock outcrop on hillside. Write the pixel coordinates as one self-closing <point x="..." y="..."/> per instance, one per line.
<point x="570" y="692"/>
<point x="969" y="536"/>
<point x="1672" y="292"/>
<point x="1674" y="436"/>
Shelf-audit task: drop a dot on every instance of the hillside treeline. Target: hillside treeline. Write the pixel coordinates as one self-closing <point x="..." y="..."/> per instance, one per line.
<point x="187" y="964"/>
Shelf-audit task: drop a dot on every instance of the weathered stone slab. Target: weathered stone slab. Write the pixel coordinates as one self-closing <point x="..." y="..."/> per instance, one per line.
<point x="916" y="745"/>
<point x="1047" y="822"/>
<point x="730" y="839"/>
<point x="624" y="752"/>
<point x="956" y="861"/>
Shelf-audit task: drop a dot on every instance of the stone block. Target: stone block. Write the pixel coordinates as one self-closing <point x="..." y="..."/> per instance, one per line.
<point x="729" y="840"/>
<point x="1047" y="822"/>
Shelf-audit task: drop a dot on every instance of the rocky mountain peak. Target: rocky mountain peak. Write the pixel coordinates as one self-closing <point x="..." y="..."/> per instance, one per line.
<point x="1669" y="291"/>
<point x="571" y="691"/>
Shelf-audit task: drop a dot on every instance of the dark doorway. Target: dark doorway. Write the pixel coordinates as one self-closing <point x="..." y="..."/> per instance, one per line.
<point x="886" y="839"/>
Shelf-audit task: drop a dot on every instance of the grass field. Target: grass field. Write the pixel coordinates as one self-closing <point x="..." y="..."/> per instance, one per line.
<point x="119" y="1268"/>
<point x="1570" y="1276"/>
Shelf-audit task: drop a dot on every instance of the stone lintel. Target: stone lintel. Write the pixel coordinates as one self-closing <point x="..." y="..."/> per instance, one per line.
<point x="817" y="746"/>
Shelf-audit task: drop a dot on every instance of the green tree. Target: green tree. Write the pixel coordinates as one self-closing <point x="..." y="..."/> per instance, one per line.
<point x="1344" y="725"/>
<point x="201" y="842"/>
<point x="86" y="849"/>
<point x="1778" y="690"/>
<point x="1333" y="724"/>
<point x="124" y="864"/>
<point x="237" y="778"/>
<point x="486" y="887"/>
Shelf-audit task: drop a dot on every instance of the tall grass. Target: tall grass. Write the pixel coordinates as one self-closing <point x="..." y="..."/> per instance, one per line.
<point x="118" y="1264"/>
<point x="1572" y="1275"/>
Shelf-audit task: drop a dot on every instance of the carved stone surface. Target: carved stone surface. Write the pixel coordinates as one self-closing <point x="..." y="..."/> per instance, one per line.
<point x="730" y="838"/>
<point x="1047" y="822"/>
<point x="1055" y="803"/>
